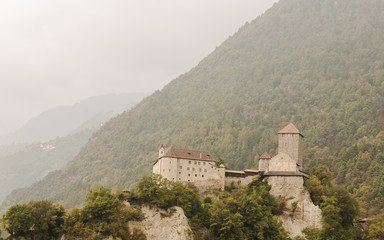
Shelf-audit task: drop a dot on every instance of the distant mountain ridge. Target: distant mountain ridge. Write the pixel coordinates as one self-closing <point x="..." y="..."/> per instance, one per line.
<point x="318" y="63"/>
<point x="62" y="120"/>
<point x="23" y="164"/>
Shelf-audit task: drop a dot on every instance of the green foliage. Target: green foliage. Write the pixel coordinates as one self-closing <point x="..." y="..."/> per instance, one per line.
<point x="104" y="214"/>
<point x="246" y="214"/>
<point x="18" y="221"/>
<point x="155" y="190"/>
<point x="323" y="174"/>
<point x="100" y="205"/>
<point x="376" y="230"/>
<point x="315" y="189"/>
<point x="360" y="168"/>
<point x="312" y="233"/>
<point x="339" y="208"/>
<point x="38" y="219"/>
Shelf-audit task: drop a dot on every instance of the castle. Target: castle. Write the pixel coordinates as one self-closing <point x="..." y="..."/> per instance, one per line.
<point x="200" y="167"/>
<point x="283" y="172"/>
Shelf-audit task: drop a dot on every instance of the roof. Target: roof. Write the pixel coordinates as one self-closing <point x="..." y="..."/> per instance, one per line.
<point x="265" y="156"/>
<point x="290" y="128"/>
<point x="188" y="154"/>
<point x="285" y="173"/>
<point x="234" y="171"/>
<point x="245" y="173"/>
<point x="251" y="170"/>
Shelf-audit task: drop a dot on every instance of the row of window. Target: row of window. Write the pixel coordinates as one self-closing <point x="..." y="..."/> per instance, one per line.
<point x="193" y="169"/>
<point x="197" y="162"/>
<point x="190" y="175"/>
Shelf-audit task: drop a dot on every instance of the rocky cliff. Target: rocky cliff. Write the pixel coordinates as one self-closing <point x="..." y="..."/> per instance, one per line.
<point x="301" y="212"/>
<point x="159" y="224"/>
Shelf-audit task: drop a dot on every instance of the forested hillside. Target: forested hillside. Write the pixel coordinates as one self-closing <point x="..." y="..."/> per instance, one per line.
<point x="318" y="63"/>
<point x="63" y="120"/>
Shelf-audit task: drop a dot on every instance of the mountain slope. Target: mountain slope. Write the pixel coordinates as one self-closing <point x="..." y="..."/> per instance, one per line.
<point x="318" y="63"/>
<point x="62" y="120"/>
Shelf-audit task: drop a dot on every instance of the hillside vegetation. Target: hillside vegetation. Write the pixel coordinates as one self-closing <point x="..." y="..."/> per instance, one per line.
<point x="32" y="163"/>
<point x="63" y="120"/>
<point x="318" y="63"/>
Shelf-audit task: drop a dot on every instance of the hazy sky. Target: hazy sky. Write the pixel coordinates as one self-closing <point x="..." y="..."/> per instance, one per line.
<point x="58" y="52"/>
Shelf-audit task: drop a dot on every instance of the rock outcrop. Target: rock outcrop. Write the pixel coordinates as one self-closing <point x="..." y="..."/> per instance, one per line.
<point x="301" y="212"/>
<point x="159" y="224"/>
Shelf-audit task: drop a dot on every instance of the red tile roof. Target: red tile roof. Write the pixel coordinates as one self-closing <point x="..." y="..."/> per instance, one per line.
<point x="188" y="154"/>
<point x="265" y="156"/>
<point x="290" y="128"/>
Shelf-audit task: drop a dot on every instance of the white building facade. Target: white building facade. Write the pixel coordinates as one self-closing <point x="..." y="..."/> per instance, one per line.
<point x="184" y="165"/>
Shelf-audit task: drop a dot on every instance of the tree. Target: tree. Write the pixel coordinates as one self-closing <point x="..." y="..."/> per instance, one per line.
<point x="323" y="174"/>
<point x="376" y="230"/>
<point x="100" y="205"/>
<point x="47" y="218"/>
<point x="18" y="221"/>
<point x="315" y="189"/>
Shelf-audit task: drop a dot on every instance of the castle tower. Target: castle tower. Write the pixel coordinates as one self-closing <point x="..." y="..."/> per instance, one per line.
<point x="291" y="143"/>
<point x="264" y="162"/>
<point x="161" y="151"/>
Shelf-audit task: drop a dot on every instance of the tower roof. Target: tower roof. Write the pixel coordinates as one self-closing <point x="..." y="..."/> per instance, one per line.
<point x="290" y="128"/>
<point x="265" y="156"/>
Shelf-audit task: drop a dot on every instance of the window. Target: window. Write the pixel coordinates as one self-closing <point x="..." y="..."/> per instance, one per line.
<point x="205" y="170"/>
<point x="204" y="163"/>
<point x="187" y="168"/>
<point x="193" y="169"/>
<point x="179" y="179"/>
<point x="169" y="169"/>
<point x="195" y="175"/>
<point x="189" y="162"/>
<point x="163" y="170"/>
<point x="179" y="172"/>
<point x="189" y="175"/>
<point x="195" y="162"/>
<point x="202" y="175"/>
<point x="181" y="167"/>
<point x="199" y="163"/>
<point x="199" y="169"/>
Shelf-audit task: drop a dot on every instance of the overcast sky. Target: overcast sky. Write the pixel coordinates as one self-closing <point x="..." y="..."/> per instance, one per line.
<point x="58" y="52"/>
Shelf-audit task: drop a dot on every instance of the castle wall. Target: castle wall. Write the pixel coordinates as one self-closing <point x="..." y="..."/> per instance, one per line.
<point x="282" y="162"/>
<point x="238" y="181"/>
<point x="306" y="214"/>
<point x="203" y="173"/>
<point x="167" y="167"/>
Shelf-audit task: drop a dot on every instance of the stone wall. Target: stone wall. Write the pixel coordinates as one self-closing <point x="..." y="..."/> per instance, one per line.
<point x="203" y="173"/>
<point x="238" y="181"/>
<point x="306" y="213"/>
<point x="282" y="162"/>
